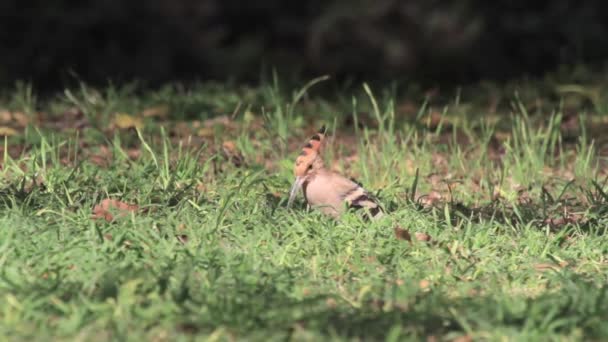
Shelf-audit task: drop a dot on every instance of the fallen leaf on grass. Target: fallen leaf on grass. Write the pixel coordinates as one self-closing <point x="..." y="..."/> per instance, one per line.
<point x="464" y="338"/>
<point x="7" y="131"/>
<point x="231" y="152"/>
<point x="566" y="219"/>
<point x="439" y="160"/>
<point x="422" y="236"/>
<point x="430" y="199"/>
<point x="72" y="119"/>
<point x="424" y="285"/>
<point x="105" y="208"/>
<point x="222" y="120"/>
<point x="160" y="111"/>
<point x="502" y="136"/>
<point x="5" y="116"/>
<point x="103" y="158"/>
<point x="205" y="132"/>
<point x="200" y="187"/>
<point x="99" y="160"/>
<point x="21" y="119"/>
<point x="402" y="234"/>
<point x="134" y="153"/>
<point x="18" y="119"/>
<point x="432" y="338"/>
<point x="125" y="121"/>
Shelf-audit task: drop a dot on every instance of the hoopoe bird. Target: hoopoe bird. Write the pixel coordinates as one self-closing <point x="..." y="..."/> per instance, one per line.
<point x="326" y="190"/>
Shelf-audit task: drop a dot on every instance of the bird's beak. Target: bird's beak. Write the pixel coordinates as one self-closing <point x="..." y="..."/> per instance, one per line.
<point x="297" y="184"/>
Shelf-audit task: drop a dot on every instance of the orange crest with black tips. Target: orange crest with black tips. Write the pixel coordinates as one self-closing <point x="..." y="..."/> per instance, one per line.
<point x="310" y="157"/>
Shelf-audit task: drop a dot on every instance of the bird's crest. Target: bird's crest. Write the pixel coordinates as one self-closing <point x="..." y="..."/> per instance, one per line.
<point x="315" y="143"/>
<point x="310" y="157"/>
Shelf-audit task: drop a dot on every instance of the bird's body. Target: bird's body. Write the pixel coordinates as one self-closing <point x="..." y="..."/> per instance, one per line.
<point x="332" y="193"/>
<point x="325" y="190"/>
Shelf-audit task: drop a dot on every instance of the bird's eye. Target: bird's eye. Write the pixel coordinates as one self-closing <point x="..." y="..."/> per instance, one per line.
<point x="310" y="167"/>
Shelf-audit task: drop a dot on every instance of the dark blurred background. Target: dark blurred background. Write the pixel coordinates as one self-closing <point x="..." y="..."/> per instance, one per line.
<point x="48" y="42"/>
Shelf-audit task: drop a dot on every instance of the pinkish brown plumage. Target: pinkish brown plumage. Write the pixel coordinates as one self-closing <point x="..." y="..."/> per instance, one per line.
<point x="325" y="190"/>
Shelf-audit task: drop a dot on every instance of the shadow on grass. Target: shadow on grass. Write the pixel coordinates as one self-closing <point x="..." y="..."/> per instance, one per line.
<point x="579" y="305"/>
<point x="264" y="304"/>
<point x="211" y="291"/>
<point x="557" y="216"/>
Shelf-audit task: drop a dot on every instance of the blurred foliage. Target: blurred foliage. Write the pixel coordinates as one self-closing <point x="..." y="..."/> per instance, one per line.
<point x="49" y="42"/>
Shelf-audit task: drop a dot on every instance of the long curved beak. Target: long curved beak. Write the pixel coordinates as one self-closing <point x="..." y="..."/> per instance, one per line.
<point x="297" y="184"/>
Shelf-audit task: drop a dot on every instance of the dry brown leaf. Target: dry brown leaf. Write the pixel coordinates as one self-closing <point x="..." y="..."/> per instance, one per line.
<point x="71" y="119"/>
<point x="134" y="153"/>
<point x="103" y="158"/>
<point x="430" y="199"/>
<point x="222" y="120"/>
<point x="463" y="338"/>
<point x="424" y="284"/>
<point x="7" y="131"/>
<point x="200" y="187"/>
<point x="5" y="116"/>
<point x="232" y="153"/>
<point x="160" y="111"/>
<point x="99" y="160"/>
<point x="502" y="136"/>
<point x="564" y="220"/>
<point x="183" y="129"/>
<point x="105" y="208"/>
<point x="402" y="234"/>
<point x="21" y="119"/>
<point x="125" y="121"/>
<point x="205" y="132"/>
<point x="439" y="160"/>
<point x="422" y="236"/>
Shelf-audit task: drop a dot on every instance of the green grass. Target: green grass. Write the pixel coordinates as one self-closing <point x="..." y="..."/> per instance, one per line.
<point x="516" y="211"/>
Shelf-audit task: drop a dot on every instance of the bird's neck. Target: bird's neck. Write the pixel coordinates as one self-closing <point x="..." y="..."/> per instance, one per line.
<point x="318" y="164"/>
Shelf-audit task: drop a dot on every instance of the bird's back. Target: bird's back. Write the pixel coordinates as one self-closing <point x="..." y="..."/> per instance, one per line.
<point x="332" y="193"/>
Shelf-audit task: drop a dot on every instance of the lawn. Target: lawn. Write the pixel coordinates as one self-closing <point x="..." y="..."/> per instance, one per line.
<point x="130" y="214"/>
